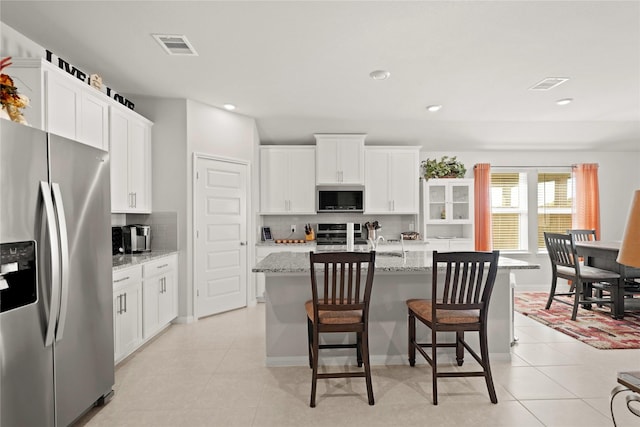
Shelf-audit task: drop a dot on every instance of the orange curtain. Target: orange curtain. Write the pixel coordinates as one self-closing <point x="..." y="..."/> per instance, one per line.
<point x="482" y="214"/>
<point x="586" y="203"/>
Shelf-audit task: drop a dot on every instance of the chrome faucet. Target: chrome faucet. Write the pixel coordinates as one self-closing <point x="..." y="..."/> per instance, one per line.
<point x="374" y="243"/>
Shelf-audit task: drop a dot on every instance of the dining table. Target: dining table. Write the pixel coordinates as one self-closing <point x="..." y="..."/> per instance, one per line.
<point x="603" y="254"/>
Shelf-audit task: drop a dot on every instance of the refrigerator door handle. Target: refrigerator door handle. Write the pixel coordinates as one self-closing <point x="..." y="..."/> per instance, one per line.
<point x="64" y="258"/>
<point x="54" y="306"/>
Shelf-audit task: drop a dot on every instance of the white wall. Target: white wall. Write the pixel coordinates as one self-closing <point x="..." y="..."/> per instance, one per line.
<point x="182" y="128"/>
<point x="15" y="44"/>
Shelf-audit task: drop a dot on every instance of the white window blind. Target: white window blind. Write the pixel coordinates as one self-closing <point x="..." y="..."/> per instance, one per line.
<point x="509" y="210"/>
<point x="555" y="198"/>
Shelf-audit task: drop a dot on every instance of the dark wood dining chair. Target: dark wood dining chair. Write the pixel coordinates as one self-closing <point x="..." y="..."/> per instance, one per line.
<point x="340" y="304"/>
<point x="460" y="303"/>
<point x="583" y="235"/>
<point x="565" y="265"/>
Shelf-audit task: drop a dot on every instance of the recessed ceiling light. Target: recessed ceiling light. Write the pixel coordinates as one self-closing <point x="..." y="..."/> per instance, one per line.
<point x="229" y="107"/>
<point x="379" y="75"/>
<point x="564" y="101"/>
<point x="434" y="108"/>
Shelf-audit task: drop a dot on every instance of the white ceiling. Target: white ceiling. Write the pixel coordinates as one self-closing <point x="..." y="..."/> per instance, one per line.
<point x="301" y="67"/>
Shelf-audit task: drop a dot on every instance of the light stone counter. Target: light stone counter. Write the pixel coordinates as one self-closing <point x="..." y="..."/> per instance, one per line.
<point x="397" y="279"/>
<point x="412" y="261"/>
<point x="129" y="260"/>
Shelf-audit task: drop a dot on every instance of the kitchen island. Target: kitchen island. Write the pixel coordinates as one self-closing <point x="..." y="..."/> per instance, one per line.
<point x="397" y="278"/>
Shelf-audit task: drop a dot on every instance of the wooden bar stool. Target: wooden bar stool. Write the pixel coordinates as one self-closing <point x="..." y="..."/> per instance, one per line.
<point x="340" y="304"/>
<point x="459" y="304"/>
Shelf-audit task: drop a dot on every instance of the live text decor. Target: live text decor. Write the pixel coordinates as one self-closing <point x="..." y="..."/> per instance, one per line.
<point x="90" y="79"/>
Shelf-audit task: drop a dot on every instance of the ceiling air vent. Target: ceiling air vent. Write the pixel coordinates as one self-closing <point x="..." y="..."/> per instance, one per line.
<point x="549" y="83"/>
<point x="175" y="44"/>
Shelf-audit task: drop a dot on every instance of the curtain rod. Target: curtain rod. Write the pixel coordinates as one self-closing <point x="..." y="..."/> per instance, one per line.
<point x="533" y="167"/>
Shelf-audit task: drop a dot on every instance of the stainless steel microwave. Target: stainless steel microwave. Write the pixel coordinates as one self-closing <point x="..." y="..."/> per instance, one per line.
<point x="333" y="200"/>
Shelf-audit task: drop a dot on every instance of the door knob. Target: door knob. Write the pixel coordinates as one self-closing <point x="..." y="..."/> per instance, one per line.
<point x="243" y="243"/>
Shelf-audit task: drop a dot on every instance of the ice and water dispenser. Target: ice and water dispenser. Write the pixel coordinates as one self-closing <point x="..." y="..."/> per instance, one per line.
<point x="18" y="275"/>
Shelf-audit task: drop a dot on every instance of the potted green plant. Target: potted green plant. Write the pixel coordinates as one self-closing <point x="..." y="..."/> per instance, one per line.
<point x="446" y="167"/>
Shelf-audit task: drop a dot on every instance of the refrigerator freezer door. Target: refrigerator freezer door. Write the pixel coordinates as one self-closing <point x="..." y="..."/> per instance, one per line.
<point x="26" y="364"/>
<point x="84" y="353"/>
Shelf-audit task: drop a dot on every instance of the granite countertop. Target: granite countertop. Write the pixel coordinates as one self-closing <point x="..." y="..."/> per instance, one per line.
<point x="416" y="261"/>
<point x="312" y="244"/>
<point x="129" y="260"/>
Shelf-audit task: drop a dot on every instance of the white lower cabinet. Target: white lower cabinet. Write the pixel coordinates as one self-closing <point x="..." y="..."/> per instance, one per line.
<point x="159" y="295"/>
<point x="145" y="301"/>
<point x="450" y="245"/>
<point x="127" y="311"/>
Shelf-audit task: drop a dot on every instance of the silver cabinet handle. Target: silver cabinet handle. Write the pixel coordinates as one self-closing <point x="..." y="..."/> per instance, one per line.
<point x="125" y="302"/>
<point x="64" y="258"/>
<point x="54" y="306"/>
<point x="119" y="299"/>
<point x="163" y="266"/>
<point x="135" y="200"/>
<point x="121" y="280"/>
<point x="243" y="243"/>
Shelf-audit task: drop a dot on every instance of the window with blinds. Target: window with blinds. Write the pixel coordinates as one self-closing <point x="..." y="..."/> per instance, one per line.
<point x="509" y="211"/>
<point x="516" y="221"/>
<point x="555" y="199"/>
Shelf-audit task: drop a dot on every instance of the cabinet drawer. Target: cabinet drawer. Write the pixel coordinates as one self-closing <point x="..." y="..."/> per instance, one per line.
<point x="159" y="266"/>
<point x="126" y="276"/>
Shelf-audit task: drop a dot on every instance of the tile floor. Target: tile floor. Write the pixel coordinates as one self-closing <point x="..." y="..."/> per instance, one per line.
<point x="211" y="373"/>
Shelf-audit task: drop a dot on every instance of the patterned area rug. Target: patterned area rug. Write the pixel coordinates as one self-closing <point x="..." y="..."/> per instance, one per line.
<point x="594" y="327"/>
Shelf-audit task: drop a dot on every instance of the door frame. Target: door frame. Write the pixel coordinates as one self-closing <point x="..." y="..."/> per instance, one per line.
<point x="249" y="221"/>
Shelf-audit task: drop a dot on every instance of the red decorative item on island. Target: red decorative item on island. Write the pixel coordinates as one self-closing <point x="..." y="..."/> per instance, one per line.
<point x="12" y="102"/>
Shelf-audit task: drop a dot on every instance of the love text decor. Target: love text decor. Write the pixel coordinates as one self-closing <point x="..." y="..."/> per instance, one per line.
<point x="86" y="78"/>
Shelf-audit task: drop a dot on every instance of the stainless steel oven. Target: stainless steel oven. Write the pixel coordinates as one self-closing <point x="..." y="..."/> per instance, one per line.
<point x="336" y="234"/>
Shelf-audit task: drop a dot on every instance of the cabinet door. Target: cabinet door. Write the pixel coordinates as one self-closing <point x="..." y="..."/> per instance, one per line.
<point x="94" y="120"/>
<point x="351" y="161"/>
<point x="436" y="202"/>
<point x="118" y="151"/>
<point x="139" y="151"/>
<point x="301" y="181"/>
<point x="166" y="303"/>
<point x="377" y="182"/>
<point x="63" y="106"/>
<point x="461" y="205"/>
<point x="403" y="182"/>
<point x="327" y="162"/>
<point x="128" y="319"/>
<point x="273" y="180"/>
<point x="151" y="291"/>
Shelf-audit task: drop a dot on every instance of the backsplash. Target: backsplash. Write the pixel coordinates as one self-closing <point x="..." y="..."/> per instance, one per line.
<point x="164" y="227"/>
<point x="392" y="225"/>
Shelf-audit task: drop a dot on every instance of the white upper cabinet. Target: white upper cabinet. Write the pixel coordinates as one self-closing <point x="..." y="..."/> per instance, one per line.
<point x="449" y="201"/>
<point x="392" y="180"/>
<point x="130" y="162"/>
<point x="448" y="214"/>
<point x="287" y="180"/>
<point x="62" y="104"/>
<point x="339" y="159"/>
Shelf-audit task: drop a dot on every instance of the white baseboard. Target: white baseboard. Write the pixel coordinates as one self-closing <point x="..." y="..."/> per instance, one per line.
<point x="184" y="319"/>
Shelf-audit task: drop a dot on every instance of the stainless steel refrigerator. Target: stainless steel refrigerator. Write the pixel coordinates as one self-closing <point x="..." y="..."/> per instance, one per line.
<point x="56" y="313"/>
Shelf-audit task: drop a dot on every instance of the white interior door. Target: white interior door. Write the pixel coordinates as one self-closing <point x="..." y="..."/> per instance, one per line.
<point x="221" y="236"/>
